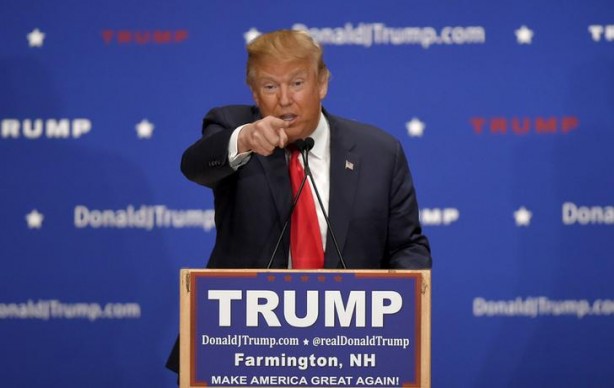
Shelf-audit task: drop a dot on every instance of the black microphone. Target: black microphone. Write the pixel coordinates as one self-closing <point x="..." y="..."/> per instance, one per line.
<point x="299" y="144"/>
<point x="307" y="146"/>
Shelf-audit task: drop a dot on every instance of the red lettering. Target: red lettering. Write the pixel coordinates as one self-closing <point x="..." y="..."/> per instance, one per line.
<point x="181" y="35"/>
<point x="543" y="125"/>
<point x="498" y="124"/>
<point x="523" y="125"/>
<point x="107" y="36"/>
<point x="142" y="37"/>
<point x="124" y="37"/>
<point x="162" y="37"/>
<point x="569" y="123"/>
<point x="526" y="125"/>
<point x="477" y="123"/>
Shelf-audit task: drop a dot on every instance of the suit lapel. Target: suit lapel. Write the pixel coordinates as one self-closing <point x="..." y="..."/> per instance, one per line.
<point x="277" y="179"/>
<point x="344" y="174"/>
<point x="276" y="172"/>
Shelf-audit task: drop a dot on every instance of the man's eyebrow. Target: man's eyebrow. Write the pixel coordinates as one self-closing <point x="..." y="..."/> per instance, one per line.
<point x="269" y="77"/>
<point x="299" y="73"/>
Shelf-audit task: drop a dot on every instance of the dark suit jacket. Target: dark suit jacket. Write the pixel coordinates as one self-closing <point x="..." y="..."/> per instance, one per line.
<point x="372" y="205"/>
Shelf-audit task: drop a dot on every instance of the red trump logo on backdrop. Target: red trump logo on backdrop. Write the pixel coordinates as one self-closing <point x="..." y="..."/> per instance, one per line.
<point x="144" y="37"/>
<point x="524" y="125"/>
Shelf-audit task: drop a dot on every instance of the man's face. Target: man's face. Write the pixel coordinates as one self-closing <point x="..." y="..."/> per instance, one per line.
<point x="292" y="92"/>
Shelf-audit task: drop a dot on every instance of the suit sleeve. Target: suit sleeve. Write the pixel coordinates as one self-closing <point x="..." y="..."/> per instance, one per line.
<point x="408" y="248"/>
<point x="206" y="161"/>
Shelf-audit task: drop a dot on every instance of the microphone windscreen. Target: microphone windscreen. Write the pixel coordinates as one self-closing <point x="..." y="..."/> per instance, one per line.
<point x="309" y="142"/>
<point x="298" y="144"/>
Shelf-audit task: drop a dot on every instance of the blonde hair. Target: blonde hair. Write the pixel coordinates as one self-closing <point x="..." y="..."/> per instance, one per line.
<point x="285" y="45"/>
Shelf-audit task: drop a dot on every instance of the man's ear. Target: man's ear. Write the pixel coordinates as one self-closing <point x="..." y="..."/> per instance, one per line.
<point x="323" y="85"/>
<point x="255" y="96"/>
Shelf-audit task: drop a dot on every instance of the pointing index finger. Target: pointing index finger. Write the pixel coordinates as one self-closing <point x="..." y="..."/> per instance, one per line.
<point x="278" y="123"/>
<point x="283" y="138"/>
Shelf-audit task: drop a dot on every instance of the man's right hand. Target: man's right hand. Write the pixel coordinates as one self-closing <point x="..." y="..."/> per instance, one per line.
<point x="263" y="136"/>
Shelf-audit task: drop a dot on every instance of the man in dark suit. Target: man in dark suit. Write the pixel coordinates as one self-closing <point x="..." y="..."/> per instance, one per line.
<point x="360" y="171"/>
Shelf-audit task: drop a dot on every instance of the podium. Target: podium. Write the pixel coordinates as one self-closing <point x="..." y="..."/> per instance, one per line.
<point x="323" y="328"/>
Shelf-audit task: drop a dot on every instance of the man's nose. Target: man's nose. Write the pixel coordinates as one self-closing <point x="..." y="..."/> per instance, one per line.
<point x="285" y="96"/>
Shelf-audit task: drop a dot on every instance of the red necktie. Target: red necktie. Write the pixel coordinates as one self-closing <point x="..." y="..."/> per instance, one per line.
<point x="305" y="238"/>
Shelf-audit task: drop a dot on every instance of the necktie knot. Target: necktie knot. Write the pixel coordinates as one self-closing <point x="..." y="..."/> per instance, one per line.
<point x="292" y="148"/>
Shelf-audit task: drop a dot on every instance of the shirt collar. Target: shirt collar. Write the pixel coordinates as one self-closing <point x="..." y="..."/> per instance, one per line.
<point x="321" y="138"/>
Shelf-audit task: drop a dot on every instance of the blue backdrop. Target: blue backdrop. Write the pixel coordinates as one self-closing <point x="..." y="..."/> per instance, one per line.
<point x="505" y="110"/>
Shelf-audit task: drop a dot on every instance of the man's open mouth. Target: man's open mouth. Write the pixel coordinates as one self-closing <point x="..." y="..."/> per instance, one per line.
<point x="288" y="117"/>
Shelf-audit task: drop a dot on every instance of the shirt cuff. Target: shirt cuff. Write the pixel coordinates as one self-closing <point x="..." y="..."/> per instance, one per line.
<point x="236" y="159"/>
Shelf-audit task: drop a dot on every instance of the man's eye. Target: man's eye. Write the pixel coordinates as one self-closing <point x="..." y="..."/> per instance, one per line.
<point x="299" y="82"/>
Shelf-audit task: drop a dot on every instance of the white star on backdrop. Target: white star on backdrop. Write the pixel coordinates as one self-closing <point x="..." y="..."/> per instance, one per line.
<point x="36" y="38"/>
<point x="523" y="216"/>
<point x="524" y="35"/>
<point x="34" y="219"/>
<point x="144" y="129"/>
<point x="415" y="127"/>
<point x="251" y="35"/>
